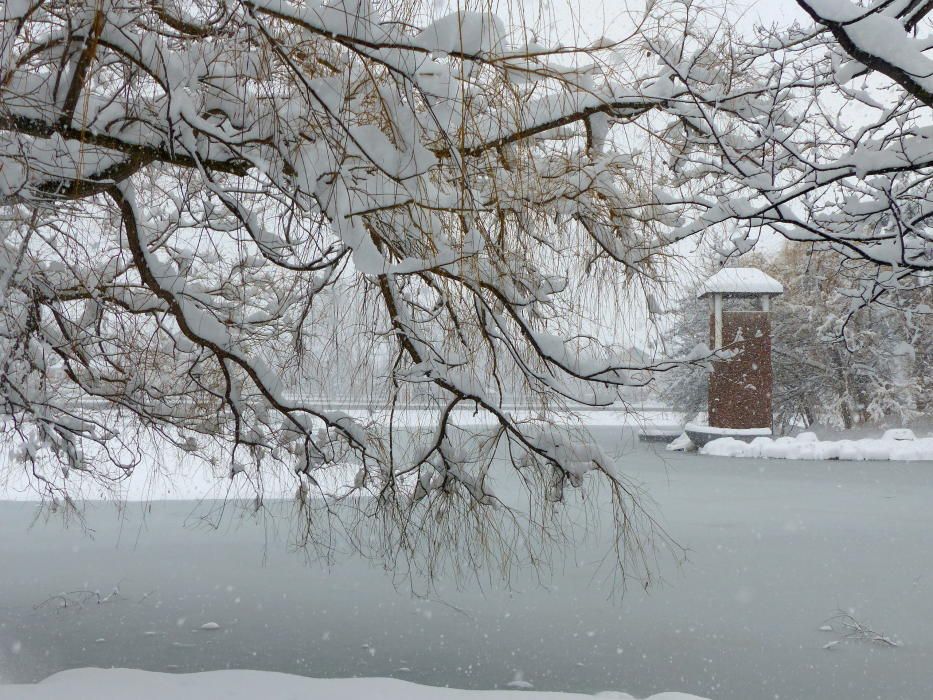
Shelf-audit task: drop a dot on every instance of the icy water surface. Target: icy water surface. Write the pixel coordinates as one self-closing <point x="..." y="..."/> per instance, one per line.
<point x="775" y="549"/>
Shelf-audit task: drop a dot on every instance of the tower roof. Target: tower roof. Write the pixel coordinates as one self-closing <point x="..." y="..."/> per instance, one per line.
<point x="740" y="281"/>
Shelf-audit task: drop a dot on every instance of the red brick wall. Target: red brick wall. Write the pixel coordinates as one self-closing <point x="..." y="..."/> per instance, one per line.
<point x="740" y="388"/>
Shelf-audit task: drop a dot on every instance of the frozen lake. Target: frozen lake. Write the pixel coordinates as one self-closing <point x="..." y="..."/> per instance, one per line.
<point x="776" y="548"/>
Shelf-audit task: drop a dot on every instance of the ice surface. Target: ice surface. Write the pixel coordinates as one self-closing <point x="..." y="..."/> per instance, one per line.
<point x="775" y="549"/>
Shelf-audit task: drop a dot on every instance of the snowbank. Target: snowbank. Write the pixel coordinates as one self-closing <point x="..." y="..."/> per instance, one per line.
<point x="121" y="684"/>
<point x="895" y="445"/>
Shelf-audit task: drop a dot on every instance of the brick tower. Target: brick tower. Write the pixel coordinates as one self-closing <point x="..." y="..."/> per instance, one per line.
<point x="740" y="388"/>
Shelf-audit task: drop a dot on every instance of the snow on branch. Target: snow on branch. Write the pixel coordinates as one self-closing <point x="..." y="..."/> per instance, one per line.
<point x="220" y="221"/>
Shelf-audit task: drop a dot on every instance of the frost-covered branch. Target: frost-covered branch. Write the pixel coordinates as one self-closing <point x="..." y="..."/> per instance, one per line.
<point x="217" y="216"/>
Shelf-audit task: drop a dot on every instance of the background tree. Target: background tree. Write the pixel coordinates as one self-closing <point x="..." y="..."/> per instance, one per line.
<point x="837" y="362"/>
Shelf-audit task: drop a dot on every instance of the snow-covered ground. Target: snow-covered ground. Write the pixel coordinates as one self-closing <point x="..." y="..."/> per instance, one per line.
<point x="172" y="474"/>
<point x="121" y="684"/>
<point x="777" y="549"/>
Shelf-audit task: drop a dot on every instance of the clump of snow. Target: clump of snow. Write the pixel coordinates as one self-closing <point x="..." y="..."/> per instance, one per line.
<point x="682" y="443"/>
<point x="519" y="683"/>
<point x="898" y="445"/>
<point x="120" y="683"/>
<point x="470" y="33"/>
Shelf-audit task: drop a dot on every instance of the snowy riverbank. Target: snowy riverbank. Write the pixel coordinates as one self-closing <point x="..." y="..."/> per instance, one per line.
<point x="121" y="684"/>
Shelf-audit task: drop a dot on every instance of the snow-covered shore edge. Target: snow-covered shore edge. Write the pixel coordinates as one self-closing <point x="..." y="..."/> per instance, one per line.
<point x="123" y="684"/>
<point x="897" y="445"/>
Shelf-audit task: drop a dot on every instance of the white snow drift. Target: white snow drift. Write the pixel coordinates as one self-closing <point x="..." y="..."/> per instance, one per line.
<point x="895" y="445"/>
<point x="119" y="684"/>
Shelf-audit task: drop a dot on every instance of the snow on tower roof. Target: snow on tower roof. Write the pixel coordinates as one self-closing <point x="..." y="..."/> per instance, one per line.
<point x="740" y="280"/>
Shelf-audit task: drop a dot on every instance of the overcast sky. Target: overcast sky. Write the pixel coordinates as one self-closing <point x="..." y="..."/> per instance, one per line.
<point x="599" y="17"/>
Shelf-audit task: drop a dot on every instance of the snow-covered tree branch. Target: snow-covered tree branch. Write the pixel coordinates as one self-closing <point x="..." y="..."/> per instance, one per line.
<point x="829" y="143"/>
<point x="208" y="208"/>
<point x="216" y="215"/>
